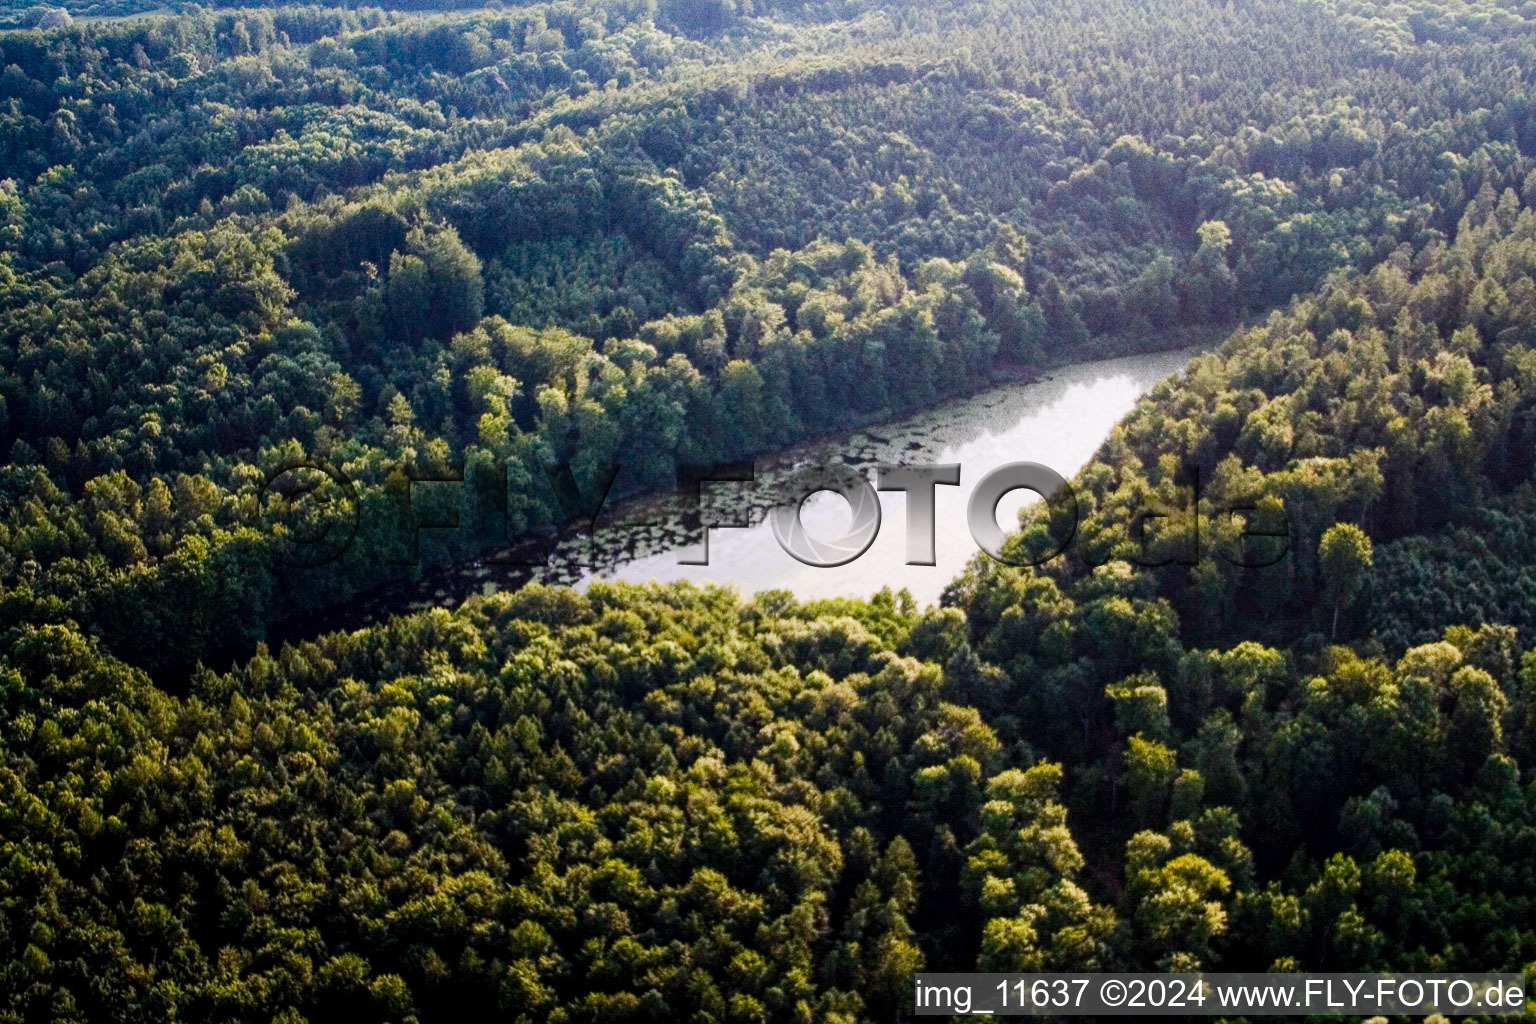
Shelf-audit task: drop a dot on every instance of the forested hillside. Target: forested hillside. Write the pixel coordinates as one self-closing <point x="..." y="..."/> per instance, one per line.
<point x="606" y="233"/>
<point x="666" y="803"/>
<point x="408" y="245"/>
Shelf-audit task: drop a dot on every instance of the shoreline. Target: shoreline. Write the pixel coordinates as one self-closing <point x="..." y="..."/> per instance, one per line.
<point x="450" y="583"/>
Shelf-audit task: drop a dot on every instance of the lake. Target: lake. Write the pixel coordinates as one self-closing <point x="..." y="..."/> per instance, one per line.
<point x="1059" y="421"/>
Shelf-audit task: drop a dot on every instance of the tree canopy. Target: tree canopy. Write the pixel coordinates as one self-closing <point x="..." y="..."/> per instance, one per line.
<point x="415" y="246"/>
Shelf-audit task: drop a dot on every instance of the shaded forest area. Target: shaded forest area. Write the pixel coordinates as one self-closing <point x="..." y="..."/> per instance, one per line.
<point x="654" y="234"/>
<point x="658" y="803"/>
<point x="479" y="244"/>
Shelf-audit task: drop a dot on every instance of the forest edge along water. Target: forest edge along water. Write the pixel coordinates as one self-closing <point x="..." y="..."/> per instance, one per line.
<point x="1058" y="420"/>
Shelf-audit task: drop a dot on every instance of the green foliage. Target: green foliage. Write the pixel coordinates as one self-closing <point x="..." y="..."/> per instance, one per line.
<point x="638" y="233"/>
<point x="628" y="233"/>
<point x="1344" y="560"/>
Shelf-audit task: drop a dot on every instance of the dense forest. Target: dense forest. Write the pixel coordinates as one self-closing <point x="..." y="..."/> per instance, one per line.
<point x="413" y="246"/>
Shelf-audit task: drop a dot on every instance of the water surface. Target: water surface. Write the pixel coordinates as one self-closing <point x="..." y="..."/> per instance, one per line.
<point x="1059" y="421"/>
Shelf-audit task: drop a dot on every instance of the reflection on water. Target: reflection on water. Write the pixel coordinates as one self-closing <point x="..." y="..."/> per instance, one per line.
<point x="1059" y="422"/>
